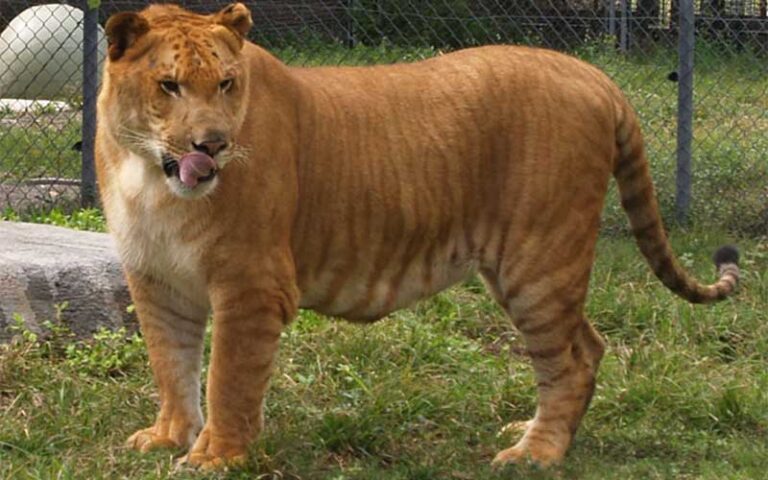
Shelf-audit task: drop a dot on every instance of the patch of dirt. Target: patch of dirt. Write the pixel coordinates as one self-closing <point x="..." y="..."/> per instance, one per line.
<point x="40" y="194"/>
<point x="31" y="119"/>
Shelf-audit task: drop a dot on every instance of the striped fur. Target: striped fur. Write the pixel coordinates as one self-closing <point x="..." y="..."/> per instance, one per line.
<point x="356" y="192"/>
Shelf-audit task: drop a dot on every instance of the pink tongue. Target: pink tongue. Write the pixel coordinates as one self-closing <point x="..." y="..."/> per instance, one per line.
<point x="193" y="166"/>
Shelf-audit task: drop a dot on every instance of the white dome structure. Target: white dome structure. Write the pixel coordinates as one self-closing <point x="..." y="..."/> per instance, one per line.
<point x="41" y="53"/>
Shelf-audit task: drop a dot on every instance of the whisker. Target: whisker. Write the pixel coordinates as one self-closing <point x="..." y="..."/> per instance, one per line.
<point x="239" y="154"/>
<point x="145" y="141"/>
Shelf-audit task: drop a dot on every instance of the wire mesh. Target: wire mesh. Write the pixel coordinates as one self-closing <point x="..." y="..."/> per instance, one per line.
<point x="40" y="54"/>
<point x="634" y="41"/>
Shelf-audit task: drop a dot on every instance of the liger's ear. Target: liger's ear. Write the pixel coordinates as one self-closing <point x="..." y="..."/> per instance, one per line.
<point x="236" y="17"/>
<point x="123" y="29"/>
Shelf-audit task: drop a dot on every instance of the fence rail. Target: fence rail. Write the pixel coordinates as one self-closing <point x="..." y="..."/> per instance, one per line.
<point x="697" y="72"/>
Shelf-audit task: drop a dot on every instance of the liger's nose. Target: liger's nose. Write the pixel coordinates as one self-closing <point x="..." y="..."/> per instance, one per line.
<point x="211" y="146"/>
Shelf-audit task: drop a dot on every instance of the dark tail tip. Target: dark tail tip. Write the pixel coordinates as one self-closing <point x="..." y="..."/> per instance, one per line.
<point x="726" y="254"/>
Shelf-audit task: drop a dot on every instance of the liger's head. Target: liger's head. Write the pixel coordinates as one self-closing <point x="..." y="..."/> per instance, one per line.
<point x="182" y="84"/>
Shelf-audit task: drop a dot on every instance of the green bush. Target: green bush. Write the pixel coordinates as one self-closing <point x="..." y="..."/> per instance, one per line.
<point x="450" y="23"/>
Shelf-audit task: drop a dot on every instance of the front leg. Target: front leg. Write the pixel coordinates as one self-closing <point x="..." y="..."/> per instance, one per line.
<point x="250" y="310"/>
<point x="173" y="329"/>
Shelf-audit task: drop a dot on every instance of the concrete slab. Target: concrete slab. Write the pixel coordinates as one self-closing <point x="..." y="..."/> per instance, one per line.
<point x="44" y="267"/>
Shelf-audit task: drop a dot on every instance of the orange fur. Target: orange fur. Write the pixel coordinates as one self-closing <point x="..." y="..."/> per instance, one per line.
<point x="355" y="192"/>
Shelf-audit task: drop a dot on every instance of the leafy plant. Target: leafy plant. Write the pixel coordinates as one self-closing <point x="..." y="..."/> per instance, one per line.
<point x="107" y="353"/>
<point x="91" y="219"/>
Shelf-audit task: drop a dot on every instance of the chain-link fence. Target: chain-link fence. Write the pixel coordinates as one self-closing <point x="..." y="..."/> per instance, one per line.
<point x="697" y="72"/>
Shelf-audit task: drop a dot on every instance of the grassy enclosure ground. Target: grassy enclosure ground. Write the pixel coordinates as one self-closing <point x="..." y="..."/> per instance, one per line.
<point x="682" y="392"/>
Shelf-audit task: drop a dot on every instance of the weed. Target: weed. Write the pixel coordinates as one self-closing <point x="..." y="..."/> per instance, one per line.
<point x="90" y="219"/>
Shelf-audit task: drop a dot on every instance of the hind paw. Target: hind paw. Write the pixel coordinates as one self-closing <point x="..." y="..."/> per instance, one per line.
<point x="540" y="446"/>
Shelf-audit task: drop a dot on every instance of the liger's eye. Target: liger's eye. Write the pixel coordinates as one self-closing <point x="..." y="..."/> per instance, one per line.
<point x="226" y="85"/>
<point x="170" y="87"/>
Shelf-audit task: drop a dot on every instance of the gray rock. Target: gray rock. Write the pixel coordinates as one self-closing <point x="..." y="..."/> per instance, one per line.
<point x="43" y="268"/>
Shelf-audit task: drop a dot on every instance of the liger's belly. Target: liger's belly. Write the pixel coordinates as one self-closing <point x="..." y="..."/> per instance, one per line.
<point x="361" y="290"/>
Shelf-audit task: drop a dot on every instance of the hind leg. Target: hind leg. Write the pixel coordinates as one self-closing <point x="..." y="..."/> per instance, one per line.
<point x="565" y="351"/>
<point x="565" y="375"/>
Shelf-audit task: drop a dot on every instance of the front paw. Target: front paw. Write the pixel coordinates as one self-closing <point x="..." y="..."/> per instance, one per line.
<point x="148" y="439"/>
<point x="215" y="452"/>
<point x="162" y="435"/>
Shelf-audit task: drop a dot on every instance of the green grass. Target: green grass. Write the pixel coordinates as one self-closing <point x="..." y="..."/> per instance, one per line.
<point x="86" y="219"/>
<point x="730" y="130"/>
<point x="682" y="392"/>
<point x="43" y="149"/>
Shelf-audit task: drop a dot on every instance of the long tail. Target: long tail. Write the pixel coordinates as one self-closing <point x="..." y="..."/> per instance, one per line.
<point x="639" y="201"/>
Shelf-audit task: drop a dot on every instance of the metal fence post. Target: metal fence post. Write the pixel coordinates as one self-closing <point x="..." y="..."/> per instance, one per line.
<point x="624" y="26"/>
<point x="90" y="87"/>
<point x="351" y="40"/>
<point x="612" y="18"/>
<point x="686" y="41"/>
